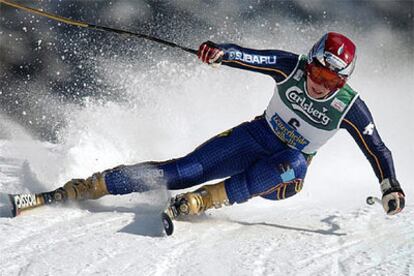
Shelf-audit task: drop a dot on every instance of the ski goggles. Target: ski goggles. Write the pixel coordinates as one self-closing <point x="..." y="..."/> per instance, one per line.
<point x="324" y="76"/>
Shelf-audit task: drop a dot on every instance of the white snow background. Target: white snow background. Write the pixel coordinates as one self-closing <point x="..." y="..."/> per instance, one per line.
<point x="327" y="229"/>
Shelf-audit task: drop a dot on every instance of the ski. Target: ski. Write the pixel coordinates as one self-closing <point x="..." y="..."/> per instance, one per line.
<point x="12" y="205"/>
<point x="167" y="224"/>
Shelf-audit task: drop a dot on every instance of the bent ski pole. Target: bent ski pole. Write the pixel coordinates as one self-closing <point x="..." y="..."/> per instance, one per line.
<point x="96" y="27"/>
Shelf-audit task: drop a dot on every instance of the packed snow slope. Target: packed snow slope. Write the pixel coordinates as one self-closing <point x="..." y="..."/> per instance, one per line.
<point x="327" y="229"/>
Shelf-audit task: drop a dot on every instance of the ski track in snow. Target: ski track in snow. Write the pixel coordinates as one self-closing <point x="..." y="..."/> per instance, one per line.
<point x="257" y="238"/>
<point x="68" y="241"/>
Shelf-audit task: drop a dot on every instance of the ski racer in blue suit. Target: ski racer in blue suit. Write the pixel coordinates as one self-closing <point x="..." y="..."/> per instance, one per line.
<point x="268" y="156"/>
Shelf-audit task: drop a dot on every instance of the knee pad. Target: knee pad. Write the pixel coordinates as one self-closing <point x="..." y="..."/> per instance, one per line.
<point x="292" y="173"/>
<point x="285" y="190"/>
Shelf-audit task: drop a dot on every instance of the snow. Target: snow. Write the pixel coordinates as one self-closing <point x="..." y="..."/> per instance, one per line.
<point x="327" y="229"/>
<point x="296" y="237"/>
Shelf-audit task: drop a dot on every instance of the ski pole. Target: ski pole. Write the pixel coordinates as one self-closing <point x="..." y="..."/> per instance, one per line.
<point x="96" y="27"/>
<point x="371" y="200"/>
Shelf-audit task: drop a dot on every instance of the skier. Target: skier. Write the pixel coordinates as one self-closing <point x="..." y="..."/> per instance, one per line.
<point x="269" y="155"/>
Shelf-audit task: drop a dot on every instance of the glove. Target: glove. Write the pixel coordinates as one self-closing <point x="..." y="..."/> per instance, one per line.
<point x="393" y="198"/>
<point x="210" y="53"/>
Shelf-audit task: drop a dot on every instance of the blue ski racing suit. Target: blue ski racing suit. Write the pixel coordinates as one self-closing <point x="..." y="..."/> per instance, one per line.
<point x="269" y="155"/>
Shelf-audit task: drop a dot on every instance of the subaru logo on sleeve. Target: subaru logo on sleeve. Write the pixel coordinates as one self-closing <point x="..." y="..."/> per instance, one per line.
<point x="255" y="59"/>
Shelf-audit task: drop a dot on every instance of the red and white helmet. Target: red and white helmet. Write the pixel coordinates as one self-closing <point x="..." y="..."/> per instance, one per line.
<point x="335" y="52"/>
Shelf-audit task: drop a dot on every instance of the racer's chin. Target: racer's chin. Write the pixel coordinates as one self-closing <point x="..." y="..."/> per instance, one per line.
<point x="315" y="90"/>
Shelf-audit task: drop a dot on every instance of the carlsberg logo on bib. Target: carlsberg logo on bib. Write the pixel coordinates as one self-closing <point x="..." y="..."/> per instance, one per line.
<point x="299" y="102"/>
<point x="304" y="118"/>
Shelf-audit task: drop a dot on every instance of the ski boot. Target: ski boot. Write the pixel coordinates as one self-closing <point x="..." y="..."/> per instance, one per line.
<point x="78" y="189"/>
<point x="195" y="203"/>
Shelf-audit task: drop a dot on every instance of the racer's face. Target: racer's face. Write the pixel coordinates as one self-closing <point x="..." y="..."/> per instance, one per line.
<point x="321" y="81"/>
<point x="316" y="90"/>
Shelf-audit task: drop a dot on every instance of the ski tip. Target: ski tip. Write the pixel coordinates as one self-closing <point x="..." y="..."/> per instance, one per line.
<point x="7" y="206"/>
<point x="168" y="224"/>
